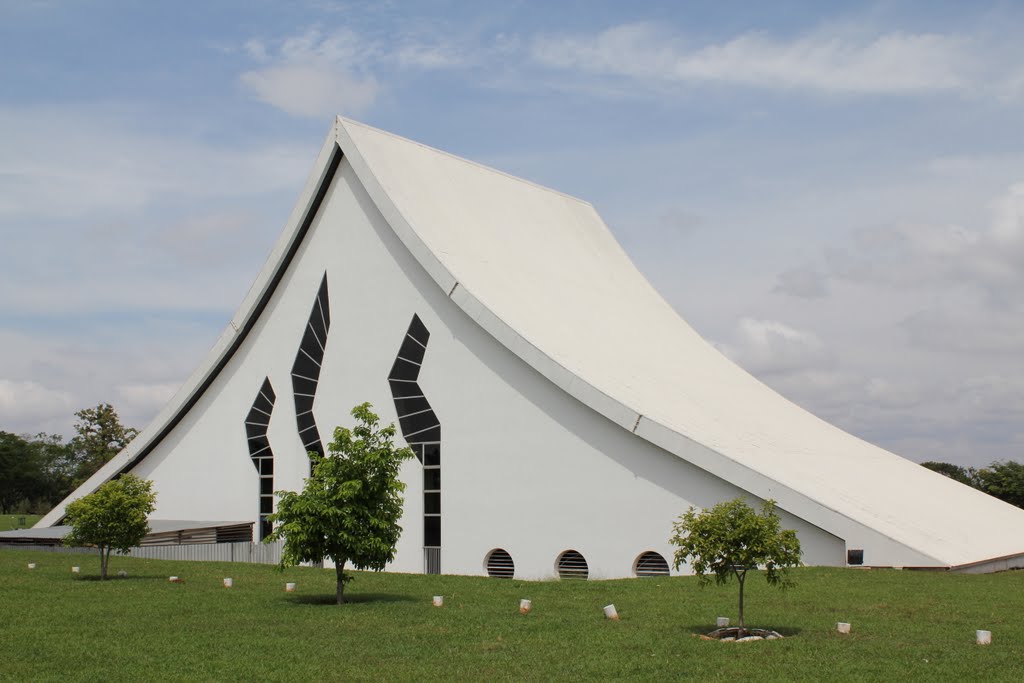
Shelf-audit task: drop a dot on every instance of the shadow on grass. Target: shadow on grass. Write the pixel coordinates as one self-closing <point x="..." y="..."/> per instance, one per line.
<point x="785" y="631"/>
<point x="114" y="578"/>
<point x="357" y="598"/>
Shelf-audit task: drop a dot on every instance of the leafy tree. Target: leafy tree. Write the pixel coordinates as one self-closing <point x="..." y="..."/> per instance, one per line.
<point x="954" y="472"/>
<point x="100" y="436"/>
<point x="350" y="505"/>
<point x="1004" y="480"/>
<point x="14" y="462"/>
<point x="28" y="477"/>
<point x="730" y="539"/>
<point x="113" y="517"/>
<point x="50" y="457"/>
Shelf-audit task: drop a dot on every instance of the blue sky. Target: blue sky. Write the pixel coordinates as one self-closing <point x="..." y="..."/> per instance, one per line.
<point x="832" y="193"/>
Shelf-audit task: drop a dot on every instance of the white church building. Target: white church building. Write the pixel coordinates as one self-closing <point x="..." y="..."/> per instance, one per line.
<point x="563" y="415"/>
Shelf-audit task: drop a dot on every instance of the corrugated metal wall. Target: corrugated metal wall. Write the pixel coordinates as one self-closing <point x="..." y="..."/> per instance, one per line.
<point x="254" y="553"/>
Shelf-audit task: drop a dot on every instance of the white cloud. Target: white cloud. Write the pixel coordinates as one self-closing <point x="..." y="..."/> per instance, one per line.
<point x="99" y="162"/>
<point x="312" y="90"/>
<point x="804" y="282"/>
<point x="825" y="60"/>
<point x="135" y="366"/>
<point x="313" y="75"/>
<point x="769" y="347"/>
<point x="24" y="403"/>
<point x="146" y="397"/>
<point x="926" y="321"/>
<point x="1007" y="228"/>
<point x="428" y="56"/>
<point x="922" y="256"/>
<point x="966" y="330"/>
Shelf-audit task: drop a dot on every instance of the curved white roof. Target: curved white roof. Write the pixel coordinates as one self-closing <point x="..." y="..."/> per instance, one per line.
<point x="541" y="272"/>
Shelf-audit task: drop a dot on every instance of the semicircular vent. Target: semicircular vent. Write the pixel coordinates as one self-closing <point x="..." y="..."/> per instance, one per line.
<point x="651" y="564"/>
<point x="500" y="564"/>
<point x="572" y="565"/>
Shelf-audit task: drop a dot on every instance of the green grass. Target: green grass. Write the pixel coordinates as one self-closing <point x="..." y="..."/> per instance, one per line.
<point x="8" y="522"/>
<point x="906" y="626"/>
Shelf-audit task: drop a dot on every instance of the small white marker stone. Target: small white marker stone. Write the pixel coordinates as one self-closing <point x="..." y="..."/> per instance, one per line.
<point x="983" y="637"/>
<point x="289" y="588"/>
<point x="843" y="627"/>
<point x="438" y="601"/>
<point x="75" y="570"/>
<point x="31" y="565"/>
<point x="525" y="606"/>
<point x="722" y="622"/>
<point x="611" y="613"/>
<point x="123" y="574"/>
<point x="173" y="579"/>
<point x="229" y="582"/>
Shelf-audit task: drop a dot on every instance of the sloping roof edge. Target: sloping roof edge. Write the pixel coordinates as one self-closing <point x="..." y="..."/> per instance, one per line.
<point x="230" y="339"/>
<point x="610" y="407"/>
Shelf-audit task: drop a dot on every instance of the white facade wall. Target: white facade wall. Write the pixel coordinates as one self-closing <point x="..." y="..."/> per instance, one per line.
<point x="525" y="467"/>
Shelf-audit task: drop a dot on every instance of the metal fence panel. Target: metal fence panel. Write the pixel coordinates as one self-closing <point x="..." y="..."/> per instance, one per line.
<point x="247" y="552"/>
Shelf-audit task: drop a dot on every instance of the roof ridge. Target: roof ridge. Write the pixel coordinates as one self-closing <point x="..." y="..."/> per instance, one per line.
<point x="464" y="160"/>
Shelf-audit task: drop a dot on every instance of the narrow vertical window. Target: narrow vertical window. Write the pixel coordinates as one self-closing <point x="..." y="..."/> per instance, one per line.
<point x="256" y="424"/>
<point x="306" y="369"/>
<point x="422" y="431"/>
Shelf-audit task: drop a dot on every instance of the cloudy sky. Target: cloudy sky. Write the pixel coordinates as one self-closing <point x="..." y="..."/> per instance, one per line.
<point x="832" y="193"/>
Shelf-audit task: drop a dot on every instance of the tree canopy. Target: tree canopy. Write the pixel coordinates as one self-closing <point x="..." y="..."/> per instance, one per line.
<point x="954" y="472"/>
<point x="113" y="517"/>
<point x="37" y="472"/>
<point x="1003" y="480"/>
<point x="99" y="437"/>
<point x="32" y="472"/>
<point x="351" y="503"/>
<point x="731" y="539"/>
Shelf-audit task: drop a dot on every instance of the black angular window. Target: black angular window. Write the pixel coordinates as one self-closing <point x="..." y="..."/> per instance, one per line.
<point x="422" y="431"/>
<point x="256" y="424"/>
<point x="306" y="369"/>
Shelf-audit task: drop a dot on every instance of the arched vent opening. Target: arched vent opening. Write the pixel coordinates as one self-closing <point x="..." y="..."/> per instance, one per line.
<point x="500" y="564"/>
<point x="651" y="564"/>
<point x="572" y="565"/>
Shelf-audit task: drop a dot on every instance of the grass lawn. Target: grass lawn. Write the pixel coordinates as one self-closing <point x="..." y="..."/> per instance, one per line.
<point x="906" y="626"/>
<point x="8" y="522"/>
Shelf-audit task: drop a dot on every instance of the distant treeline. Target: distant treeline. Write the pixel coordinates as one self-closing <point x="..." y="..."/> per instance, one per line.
<point x="1004" y="480"/>
<point x="37" y="472"/>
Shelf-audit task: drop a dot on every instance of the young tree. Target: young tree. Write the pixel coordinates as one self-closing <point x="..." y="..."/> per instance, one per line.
<point x="100" y="436"/>
<point x="113" y="517"/>
<point x="730" y="539"/>
<point x="350" y="505"/>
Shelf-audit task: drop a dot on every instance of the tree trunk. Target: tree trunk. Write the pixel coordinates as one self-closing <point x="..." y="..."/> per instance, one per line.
<point x="339" y="570"/>
<point x="742" y="578"/>
<point x="104" y="558"/>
